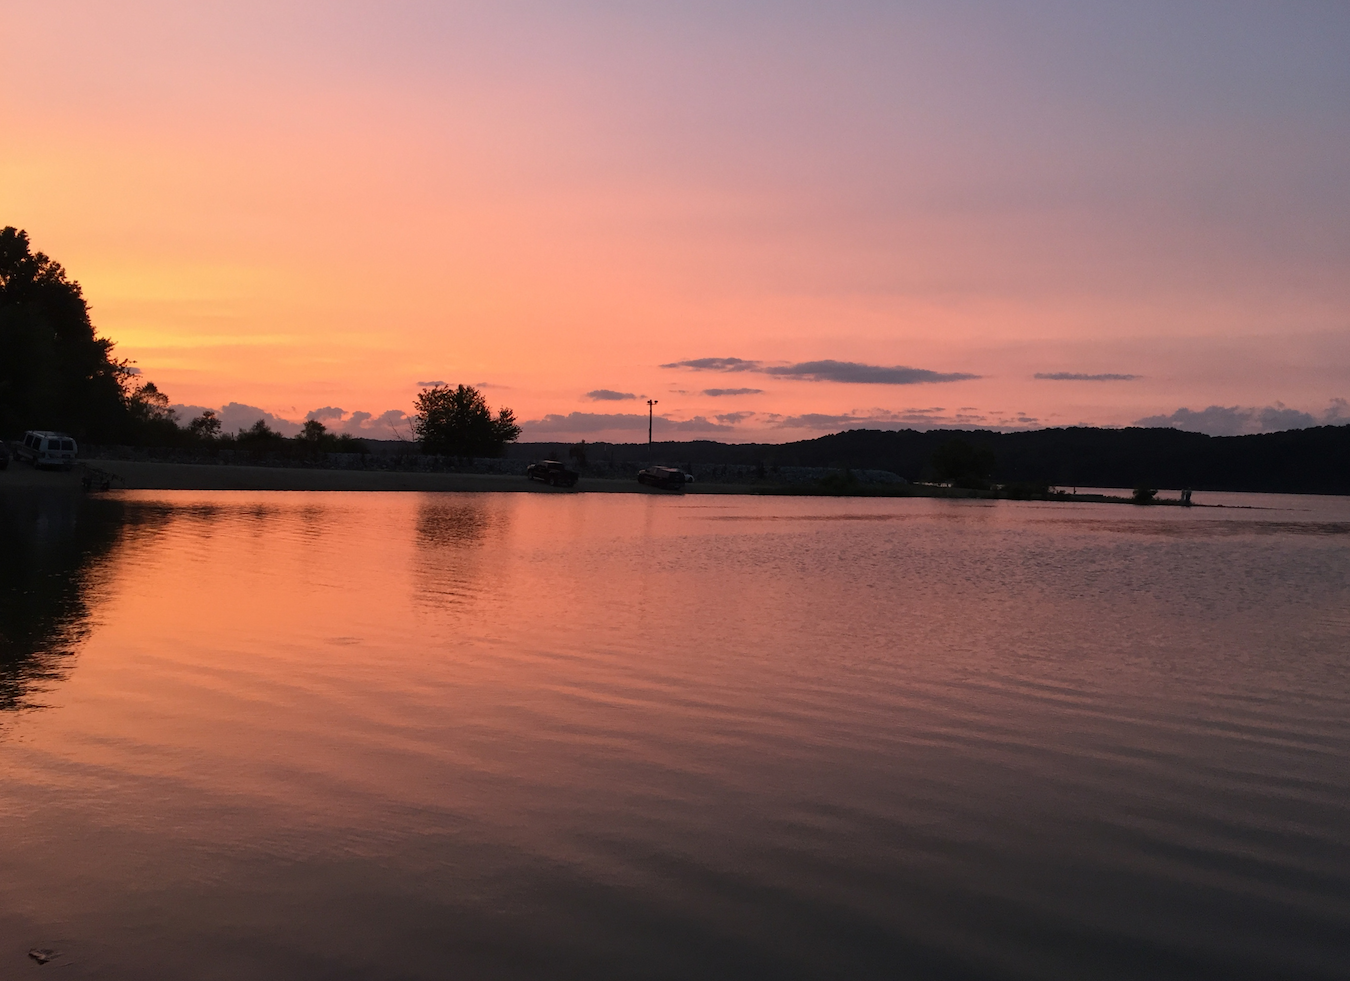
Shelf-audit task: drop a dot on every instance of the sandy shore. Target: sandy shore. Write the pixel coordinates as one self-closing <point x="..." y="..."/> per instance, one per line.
<point x="191" y="476"/>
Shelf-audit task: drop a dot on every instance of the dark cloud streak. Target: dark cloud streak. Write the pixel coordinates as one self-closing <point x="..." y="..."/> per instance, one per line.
<point x="865" y="374"/>
<point x="847" y="372"/>
<point x="1076" y="376"/>
<point x="716" y="364"/>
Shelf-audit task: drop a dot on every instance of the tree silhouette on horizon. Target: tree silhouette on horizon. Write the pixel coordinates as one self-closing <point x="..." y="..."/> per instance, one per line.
<point x="457" y="422"/>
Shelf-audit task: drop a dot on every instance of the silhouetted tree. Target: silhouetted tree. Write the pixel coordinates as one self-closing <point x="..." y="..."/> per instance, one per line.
<point x="578" y="452"/>
<point x="316" y="438"/>
<point x="55" y="371"/>
<point x="147" y="403"/>
<point x="205" y="427"/>
<point x="458" y="422"/>
<point x="151" y="418"/>
<point x="260" y="436"/>
<point x="964" y="465"/>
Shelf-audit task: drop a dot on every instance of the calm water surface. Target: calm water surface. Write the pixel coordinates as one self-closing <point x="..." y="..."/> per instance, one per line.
<point x="529" y="736"/>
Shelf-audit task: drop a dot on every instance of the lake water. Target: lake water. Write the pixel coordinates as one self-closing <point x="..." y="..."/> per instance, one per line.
<point x="610" y="736"/>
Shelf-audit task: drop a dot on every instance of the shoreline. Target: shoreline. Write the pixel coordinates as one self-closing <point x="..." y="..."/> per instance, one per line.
<point x="146" y="475"/>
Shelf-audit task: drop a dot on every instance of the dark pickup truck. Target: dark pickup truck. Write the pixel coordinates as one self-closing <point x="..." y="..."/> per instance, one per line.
<point x="667" y="478"/>
<point x="552" y="473"/>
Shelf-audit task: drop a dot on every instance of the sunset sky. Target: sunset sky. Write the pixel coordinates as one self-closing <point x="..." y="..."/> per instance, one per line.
<point x="778" y="219"/>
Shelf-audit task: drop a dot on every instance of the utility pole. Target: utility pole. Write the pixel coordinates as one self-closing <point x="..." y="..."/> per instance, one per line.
<point x="650" y="403"/>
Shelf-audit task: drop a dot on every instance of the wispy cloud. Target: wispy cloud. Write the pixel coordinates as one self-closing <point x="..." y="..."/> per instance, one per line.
<point x="393" y="424"/>
<point x="849" y="372"/>
<point x="867" y="374"/>
<point x="1236" y="420"/>
<point x="430" y="384"/>
<point x="716" y="364"/>
<point x="609" y="395"/>
<point x="596" y="422"/>
<point x="733" y="418"/>
<point x="932" y="418"/>
<point x="718" y="392"/>
<point x="1074" y="376"/>
<point x="698" y="424"/>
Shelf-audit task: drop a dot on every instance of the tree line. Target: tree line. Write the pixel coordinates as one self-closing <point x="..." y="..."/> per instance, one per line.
<point x="1296" y="461"/>
<point x="57" y="373"/>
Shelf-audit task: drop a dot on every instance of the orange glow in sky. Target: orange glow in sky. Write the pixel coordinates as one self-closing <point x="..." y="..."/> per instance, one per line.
<point x="299" y="207"/>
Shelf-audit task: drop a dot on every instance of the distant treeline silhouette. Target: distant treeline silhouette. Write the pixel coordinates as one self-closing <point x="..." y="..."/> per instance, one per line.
<point x="1300" y="461"/>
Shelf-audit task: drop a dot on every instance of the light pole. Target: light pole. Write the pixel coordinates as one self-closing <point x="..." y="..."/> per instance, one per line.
<point x="650" y="403"/>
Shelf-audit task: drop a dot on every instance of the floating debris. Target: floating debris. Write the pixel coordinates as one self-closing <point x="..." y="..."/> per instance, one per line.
<point x="42" y="956"/>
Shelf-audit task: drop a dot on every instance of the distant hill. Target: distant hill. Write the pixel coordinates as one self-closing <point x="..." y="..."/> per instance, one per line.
<point x="1298" y="461"/>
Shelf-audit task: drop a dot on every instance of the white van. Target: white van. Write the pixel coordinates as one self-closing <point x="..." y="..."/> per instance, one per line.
<point x="45" y="449"/>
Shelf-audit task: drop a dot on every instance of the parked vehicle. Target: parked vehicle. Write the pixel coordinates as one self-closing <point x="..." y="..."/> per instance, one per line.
<point x="42" y="448"/>
<point x="667" y="478"/>
<point x="552" y="473"/>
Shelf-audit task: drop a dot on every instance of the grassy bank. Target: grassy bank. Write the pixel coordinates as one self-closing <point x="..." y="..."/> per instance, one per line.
<point x="140" y="475"/>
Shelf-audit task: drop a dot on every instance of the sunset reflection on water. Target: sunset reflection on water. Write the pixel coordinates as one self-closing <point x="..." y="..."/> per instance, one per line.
<point x="610" y="735"/>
